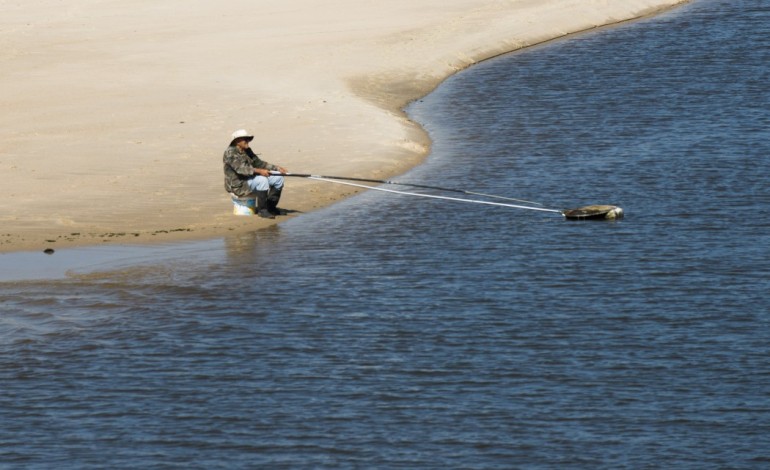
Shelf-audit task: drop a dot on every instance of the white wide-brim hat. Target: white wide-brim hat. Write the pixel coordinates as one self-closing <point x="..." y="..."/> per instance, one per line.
<point x="241" y="134"/>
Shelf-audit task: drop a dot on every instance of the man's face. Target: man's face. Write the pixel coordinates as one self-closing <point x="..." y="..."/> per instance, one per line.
<point x="242" y="144"/>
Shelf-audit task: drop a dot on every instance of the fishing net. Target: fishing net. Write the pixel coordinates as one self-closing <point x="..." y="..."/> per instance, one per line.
<point x="598" y="212"/>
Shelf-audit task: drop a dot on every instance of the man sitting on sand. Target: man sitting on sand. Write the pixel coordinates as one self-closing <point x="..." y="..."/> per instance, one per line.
<point x="246" y="174"/>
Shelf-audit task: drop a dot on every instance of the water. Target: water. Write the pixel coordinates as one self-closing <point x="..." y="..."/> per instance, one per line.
<point x="393" y="332"/>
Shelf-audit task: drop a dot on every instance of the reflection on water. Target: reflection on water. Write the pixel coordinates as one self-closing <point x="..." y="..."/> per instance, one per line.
<point x="246" y="247"/>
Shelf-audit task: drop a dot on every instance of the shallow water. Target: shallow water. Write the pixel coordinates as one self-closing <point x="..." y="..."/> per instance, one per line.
<point x="395" y="332"/>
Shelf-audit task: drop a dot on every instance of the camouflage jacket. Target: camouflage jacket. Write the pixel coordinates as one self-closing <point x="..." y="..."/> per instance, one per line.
<point x="239" y="168"/>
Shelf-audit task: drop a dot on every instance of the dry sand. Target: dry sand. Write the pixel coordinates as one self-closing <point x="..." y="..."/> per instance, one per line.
<point x="115" y="114"/>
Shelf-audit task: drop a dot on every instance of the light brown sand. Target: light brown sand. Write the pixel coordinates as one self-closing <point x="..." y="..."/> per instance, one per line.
<point x="115" y="114"/>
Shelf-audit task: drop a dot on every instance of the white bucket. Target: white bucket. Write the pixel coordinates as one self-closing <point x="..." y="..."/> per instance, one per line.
<point x="244" y="205"/>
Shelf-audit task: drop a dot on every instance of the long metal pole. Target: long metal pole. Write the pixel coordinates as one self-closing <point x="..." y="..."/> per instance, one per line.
<point x="413" y="185"/>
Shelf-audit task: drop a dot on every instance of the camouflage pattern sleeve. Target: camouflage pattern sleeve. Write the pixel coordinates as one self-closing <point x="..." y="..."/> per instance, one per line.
<point x="259" y="163"/>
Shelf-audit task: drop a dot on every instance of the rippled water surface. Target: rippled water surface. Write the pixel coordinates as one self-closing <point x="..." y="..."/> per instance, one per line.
<point x="396" y="332"/>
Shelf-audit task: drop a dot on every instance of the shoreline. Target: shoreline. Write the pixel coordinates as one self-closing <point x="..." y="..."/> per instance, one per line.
<point x="375" y="99"/>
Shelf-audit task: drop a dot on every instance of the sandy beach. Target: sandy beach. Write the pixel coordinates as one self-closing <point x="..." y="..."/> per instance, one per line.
<point x="115" y="114"/>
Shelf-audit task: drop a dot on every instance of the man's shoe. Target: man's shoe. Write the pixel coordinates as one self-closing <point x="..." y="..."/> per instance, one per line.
<point x="272" y="202"/>
<point x="262" y="205"/>
<point x="265" y="214"/>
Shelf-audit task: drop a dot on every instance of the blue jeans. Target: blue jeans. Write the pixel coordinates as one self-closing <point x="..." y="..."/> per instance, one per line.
<point x="263" y="183"/>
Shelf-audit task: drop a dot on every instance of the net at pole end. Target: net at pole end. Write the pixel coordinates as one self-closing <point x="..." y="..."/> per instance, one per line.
<point x="598" y="212"/>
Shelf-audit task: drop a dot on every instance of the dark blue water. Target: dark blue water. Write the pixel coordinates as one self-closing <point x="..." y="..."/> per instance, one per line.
<point x="394" y="332"/>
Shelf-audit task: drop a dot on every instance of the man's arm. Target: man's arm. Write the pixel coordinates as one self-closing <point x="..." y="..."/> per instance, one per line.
<point x="262" y="167"/>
